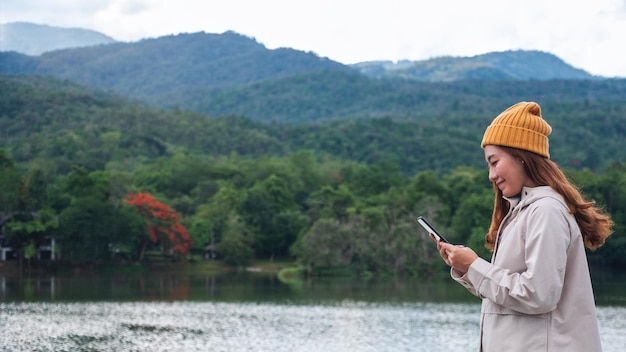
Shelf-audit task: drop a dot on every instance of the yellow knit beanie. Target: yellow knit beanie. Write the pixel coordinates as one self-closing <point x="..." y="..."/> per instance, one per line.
<point x="521" y="127"/>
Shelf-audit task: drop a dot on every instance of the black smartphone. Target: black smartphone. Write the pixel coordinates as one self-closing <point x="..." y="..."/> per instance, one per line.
<point x="431" y="230"/>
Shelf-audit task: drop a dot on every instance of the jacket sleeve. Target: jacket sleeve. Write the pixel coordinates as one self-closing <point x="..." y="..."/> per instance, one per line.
<point x="536" y="290"/>
<point x="463" y="280"/>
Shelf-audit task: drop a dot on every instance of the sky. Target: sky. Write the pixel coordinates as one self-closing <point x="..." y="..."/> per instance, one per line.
<point x="587" y="34"/>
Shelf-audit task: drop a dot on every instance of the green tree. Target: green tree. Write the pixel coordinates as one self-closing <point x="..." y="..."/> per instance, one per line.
<point x="373" y="179"/>
<point x="10" y="186"/>
<point x="93" y="226"/>
<point x="427" y="184"/>
<point x="328" y="244"/>
<point x="474" y="212"/>
<point x="236" y="245"/>
<point x="87" y="228"/>
<point x="210" y="220"/>
<point x="269" y="208"/>
<point x="330" y="202"/>
<point x="608" y="190"/>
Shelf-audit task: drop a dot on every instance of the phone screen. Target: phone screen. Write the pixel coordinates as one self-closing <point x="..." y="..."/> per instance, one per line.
<point x="431" y="230"/>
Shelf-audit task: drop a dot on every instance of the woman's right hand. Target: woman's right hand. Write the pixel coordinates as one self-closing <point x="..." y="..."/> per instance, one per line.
<point x="457" y="256"/>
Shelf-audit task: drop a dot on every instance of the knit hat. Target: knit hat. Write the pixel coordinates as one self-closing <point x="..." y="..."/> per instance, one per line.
<point x="521" y="127"/>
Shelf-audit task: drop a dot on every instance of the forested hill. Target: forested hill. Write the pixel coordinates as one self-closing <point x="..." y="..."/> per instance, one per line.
<point x="312" y="102"/>
<point x="318" y="96"/>
<point x="43" y="118"/>
<point x="164" y="69"/>
<point x="500" y="66"/>
<point x="229" y="73"/>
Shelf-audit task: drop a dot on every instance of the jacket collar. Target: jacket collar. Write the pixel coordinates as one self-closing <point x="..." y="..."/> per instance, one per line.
<point x="531" y="194"/>
<point x="528" y="196"/>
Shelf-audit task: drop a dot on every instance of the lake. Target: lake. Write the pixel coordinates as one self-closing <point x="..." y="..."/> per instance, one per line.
<point x="253" y="312"/>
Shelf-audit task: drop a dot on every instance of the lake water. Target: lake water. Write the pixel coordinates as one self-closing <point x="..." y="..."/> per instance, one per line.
<point x="253" y="312"/>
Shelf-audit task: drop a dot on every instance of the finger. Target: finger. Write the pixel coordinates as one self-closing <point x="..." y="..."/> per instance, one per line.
<point x="443" y="254"/>
<point x="446" y="245"/>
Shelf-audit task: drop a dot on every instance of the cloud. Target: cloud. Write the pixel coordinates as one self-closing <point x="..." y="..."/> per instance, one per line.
<point x="133" y="7"/>
<point x="586" y="34"/>
<point x="45" y="11"/>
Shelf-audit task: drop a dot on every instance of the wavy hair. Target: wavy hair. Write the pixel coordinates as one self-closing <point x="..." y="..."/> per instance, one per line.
<point x="594" y="223"/>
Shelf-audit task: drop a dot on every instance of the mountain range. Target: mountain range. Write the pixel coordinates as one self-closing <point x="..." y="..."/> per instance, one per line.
<point x="230" y="73"/>
<point x="34" y="39"/>
<point x="349" y="111"/>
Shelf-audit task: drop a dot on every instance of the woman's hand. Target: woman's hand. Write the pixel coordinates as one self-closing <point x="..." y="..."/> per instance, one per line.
<point x="458" y="257"/>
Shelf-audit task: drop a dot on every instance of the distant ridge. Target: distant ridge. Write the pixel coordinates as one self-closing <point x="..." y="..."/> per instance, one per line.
<point x="162" y="70"/>
<point x="36" y="39"/>
<point x="505" y="65"/>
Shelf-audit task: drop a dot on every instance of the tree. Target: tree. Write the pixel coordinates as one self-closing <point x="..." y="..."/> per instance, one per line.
<point x="210" y="220"/>
<point x="164" y="225"/>
<point x="328" y="244"/>
<point x="10" y="187"/>
<point x="330" y="202"/>
<point x="236" y="244"/>
<point x="88" y="227"/>
<point x="26" y="230"/>
<point x="269" y="207"/>
<point x="23" y="208"/>
<point x="87" y="222"/>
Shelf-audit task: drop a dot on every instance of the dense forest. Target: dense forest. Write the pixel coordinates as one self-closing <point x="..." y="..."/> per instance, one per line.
<point x="56" y="119"/>
<point x="113" y="179"/>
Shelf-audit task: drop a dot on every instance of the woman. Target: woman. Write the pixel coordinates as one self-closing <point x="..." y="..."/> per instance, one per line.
<point x="536" y="291"/>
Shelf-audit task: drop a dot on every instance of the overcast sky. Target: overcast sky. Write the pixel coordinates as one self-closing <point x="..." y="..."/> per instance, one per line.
<point x="588" y="34"/>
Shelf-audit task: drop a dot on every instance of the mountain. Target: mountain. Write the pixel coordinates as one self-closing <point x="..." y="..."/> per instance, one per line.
<point x="195" y="60"/>
<point x="232" y="74"/>
<point x="35" y="39"/>
<point x="506" y="65"/>
<point x="165" y="71"/>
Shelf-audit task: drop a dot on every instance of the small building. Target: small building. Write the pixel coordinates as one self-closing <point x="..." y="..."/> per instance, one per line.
<point x="46" y="249"/>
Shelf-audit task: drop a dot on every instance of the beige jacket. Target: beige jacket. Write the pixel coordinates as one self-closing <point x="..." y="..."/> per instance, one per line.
<point x="536" y="292"/>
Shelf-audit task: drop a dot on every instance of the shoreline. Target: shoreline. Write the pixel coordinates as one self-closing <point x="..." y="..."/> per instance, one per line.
<point x="15" y="269"/>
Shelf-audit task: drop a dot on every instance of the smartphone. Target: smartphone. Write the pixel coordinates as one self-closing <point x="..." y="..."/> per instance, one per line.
<point x="431" y="230"/>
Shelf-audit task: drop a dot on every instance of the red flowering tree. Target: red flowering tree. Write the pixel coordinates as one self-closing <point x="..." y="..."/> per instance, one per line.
<point x="164" y="225"/>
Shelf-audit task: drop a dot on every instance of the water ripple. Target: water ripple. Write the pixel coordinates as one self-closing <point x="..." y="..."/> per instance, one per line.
<point x="213" y="326"/>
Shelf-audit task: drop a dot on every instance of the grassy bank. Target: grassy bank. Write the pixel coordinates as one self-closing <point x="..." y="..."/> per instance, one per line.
<point x="13" y="268"/>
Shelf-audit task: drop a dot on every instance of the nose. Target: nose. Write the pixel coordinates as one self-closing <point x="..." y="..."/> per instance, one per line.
<point x="492" y="175"/>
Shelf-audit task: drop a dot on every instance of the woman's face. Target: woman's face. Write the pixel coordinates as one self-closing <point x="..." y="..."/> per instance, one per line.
<point x="506" y="171"/>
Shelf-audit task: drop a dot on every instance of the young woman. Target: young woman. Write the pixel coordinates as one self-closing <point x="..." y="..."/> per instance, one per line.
<point x="536" y="291"/>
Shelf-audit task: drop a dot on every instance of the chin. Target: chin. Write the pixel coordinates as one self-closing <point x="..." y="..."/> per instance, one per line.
<point x="511" y="194"/>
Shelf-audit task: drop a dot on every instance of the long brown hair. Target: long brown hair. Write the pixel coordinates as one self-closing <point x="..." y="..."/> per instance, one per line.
<point x="595" y="224"/>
